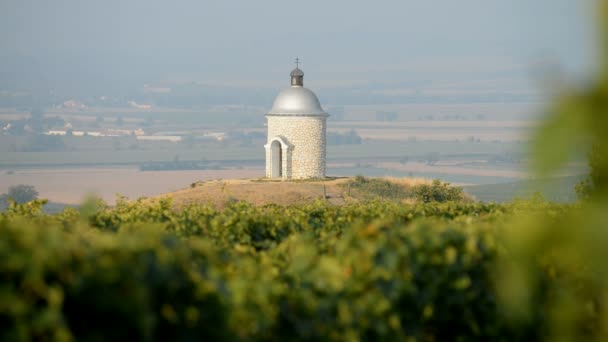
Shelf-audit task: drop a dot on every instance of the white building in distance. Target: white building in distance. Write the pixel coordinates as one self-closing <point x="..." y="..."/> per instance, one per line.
<point x="296" y="145"/>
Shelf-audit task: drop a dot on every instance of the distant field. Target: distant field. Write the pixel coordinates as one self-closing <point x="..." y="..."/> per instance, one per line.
<point x="555" y="189"/>
<point x="71" y="185"/>
<point x="437" y="135"/>
<point x="472" y="144"/>
<point x="453" y="130"/>
<point x="438" y="124"/>
<point x="371" y="171"/>
<point x="422" y="148"/>
<point x="125" y="157"/>
<point x="488" y="171"/>
<point x="491" y="111"/>
<point x="88" y="152"/>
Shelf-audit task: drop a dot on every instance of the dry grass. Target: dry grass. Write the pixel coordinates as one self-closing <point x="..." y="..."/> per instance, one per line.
<point x="408" y="181"/>
<point x="220" y="192"/>
<point x="262" y="192"/>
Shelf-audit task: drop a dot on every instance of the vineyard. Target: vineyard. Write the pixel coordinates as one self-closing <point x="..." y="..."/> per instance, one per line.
<point x="439" y="268"/>
<point x="375" y="270"/>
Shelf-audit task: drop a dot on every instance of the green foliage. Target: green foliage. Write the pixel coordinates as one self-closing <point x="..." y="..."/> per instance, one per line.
<point x="583" y="189"/>
<point x="145" y="271"/>
<point x="437" y="191"/>
<point x="597" y="164"/>
<point x="377" y="188"/>
<point x="377" y="270"/>
<point x="88" y="285"/>
<point x="572" y="246"/>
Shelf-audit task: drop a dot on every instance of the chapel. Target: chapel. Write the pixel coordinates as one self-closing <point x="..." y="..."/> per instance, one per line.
<point x="296" y="144"/>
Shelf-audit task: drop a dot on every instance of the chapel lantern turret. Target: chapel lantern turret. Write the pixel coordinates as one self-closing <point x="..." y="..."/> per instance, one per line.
<point x="297" y="75"/>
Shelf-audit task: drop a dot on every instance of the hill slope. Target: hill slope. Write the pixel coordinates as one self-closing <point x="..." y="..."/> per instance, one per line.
<point x="262" y="192"/>
<point x="258" y="192"/>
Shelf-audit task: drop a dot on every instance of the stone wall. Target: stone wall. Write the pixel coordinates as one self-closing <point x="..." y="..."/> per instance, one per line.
<point x="305" y="137"/>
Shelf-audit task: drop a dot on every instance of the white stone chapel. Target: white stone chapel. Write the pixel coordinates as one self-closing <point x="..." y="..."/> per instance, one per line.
<point x="296" y="145"/>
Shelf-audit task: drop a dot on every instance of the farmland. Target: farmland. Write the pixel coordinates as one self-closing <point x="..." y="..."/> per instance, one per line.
<point x="464" y="152"/>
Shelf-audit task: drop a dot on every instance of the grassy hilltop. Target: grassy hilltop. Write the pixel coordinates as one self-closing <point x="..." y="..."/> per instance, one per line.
<point x="338" y="191"/>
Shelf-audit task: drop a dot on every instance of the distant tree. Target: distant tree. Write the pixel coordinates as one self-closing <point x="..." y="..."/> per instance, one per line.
<point x="22" y="193"/>
<point x="120" y="121"/>
<point x="404" y="160"/>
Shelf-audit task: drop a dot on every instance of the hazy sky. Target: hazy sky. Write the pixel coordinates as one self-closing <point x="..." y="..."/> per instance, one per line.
<point x="464" y="45"/>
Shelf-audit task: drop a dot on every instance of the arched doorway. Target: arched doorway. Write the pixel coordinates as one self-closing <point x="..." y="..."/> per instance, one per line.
<point x="276" y="159"/>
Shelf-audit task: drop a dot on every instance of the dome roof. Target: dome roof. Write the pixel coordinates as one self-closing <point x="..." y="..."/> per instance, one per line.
<point x="296" y="100"/>
<point x="297" y="72"/>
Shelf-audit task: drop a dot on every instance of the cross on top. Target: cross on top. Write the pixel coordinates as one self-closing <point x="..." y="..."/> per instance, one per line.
<point x="297" y="62"/>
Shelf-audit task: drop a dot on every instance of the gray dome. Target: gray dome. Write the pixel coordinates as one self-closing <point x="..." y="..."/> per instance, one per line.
<point x="297" y="72"/>
<point x="296" y="101"/>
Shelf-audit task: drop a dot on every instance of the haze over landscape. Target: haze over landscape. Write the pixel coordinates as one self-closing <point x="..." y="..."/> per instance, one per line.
<point x="223" y="170"/>
<point x="160" y="91"/>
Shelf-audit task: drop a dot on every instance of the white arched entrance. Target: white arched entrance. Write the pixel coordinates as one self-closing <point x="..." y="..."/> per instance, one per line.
<point x="277" y="158"/>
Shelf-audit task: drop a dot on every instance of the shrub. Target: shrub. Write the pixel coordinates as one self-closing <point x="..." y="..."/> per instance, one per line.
<point x="437" y="191"/>
<point x="377" y="188"/>
<point x="22" y="193"/>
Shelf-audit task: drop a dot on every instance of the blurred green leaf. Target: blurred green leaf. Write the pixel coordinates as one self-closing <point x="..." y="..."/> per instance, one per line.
<point x="559" y="135"/>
